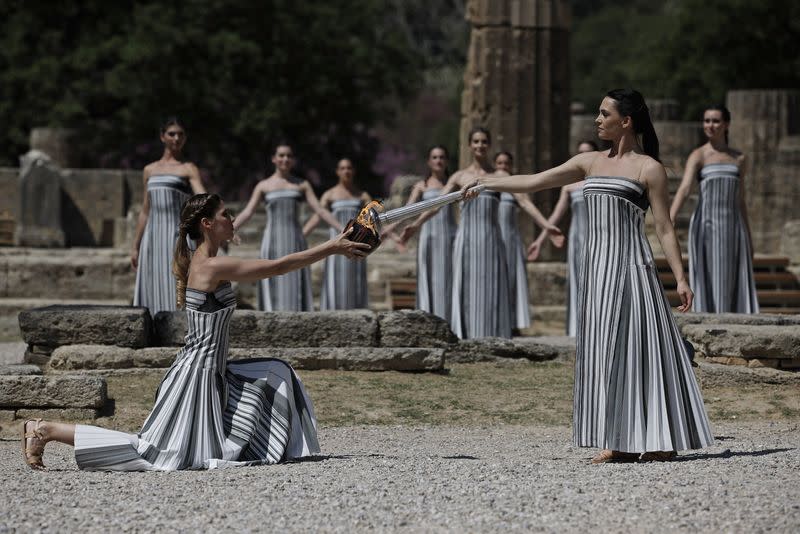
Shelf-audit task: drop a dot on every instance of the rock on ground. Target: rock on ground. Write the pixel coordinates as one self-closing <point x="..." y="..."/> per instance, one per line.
<point x="485" y="479"/>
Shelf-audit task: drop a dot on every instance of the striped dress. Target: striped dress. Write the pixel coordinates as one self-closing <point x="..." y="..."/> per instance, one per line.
<point x="283" y="235"/>
<point x="155" y="283"/>
<point x="720" y="258"/>
<point x="508" y="214"/>
<point x="635" y="390"/>
<point x="435" y="260"/>
<point x="344" y="284"/>
<point x="210" y="412"/>
<point x="577" y="241"/>
<point x="481" y="306"/>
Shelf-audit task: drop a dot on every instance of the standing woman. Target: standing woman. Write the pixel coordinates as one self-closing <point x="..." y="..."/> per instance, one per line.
<point x="168" y="182"/>
<point x="344" y="284"/>
<point x="720" y="248"/>
<point x="508" y="214"/>
<point x="209" y="412"/>
<point x="571" y="196"/>
<point x="635" y="391"/>
<point x="481" y="304"/>
<point x="435" y="249"/>
<point x="282" y="194"/>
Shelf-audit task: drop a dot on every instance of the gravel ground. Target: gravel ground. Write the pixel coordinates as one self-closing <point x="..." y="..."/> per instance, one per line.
<point x="430" y="479"/>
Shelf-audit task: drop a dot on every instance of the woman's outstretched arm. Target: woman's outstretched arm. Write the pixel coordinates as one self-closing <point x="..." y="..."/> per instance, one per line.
<point x="573" y="170"/>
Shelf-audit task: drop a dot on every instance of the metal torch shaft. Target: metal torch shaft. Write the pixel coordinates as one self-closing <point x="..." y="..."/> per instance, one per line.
<point x="417" y="208"/>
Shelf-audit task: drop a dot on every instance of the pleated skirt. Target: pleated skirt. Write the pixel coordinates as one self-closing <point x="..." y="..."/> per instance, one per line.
<point x="508" y="216"/>
<point x="435" y="262"/>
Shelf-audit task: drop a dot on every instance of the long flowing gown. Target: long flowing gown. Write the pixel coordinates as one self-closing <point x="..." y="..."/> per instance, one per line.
<point x="155" y="283"/>
<point x="435" y="260"/>
<point x="575" y="247"/>
<point x="283" y="235"/>
<point x="344" y="285"/>
<point x="508" y="216"/>
<point x="720" y="258"/>
<point x="481" y="306"/>
<point x="210" y="412"/>
<point x="635" y="390"/>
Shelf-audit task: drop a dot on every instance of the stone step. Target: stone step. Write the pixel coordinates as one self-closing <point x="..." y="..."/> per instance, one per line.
<point x="74" y="358"/>
<point x="67" y="391"/>
<point x="755" y="345"/>
<point x="11" y="307"/>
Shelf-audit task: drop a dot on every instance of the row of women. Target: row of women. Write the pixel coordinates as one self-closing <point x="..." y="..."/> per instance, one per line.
<point x="635" y="394"/>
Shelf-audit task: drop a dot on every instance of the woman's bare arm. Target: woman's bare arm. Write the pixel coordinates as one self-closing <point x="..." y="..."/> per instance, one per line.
<point x="141" y="222"/>
<point x="195" y="182"/>
<point x="452" y="185"/>
<point x="317" y="208"/>
<point x="656" y="180"/>
<point x="248" y="211"/>
<point x="690" y="172"/>
<point x="573" y="170"/>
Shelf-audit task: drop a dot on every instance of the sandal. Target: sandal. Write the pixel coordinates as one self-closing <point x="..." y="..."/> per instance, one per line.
<point x="33" y="454"/>
<point x="658" y="456"/>
<point x="607" y="455"/>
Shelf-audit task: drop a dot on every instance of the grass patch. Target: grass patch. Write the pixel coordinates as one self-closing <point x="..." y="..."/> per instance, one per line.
<point x="508" y="392"/>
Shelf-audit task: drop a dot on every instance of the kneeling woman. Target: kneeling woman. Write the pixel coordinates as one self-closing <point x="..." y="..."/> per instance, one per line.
<point x="209" y="412"/>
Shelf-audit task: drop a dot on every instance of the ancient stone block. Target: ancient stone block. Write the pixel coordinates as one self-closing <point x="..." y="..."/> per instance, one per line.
<point x="92" y="199"/>
<point x="547" y="283"/>
<point x="20" y="370"/>
<point x="413" y="328"/>
<point x="745" y="341"/>
<point x="52" y="392"/>
<point x="492" y="348"/>
<point x="790" y="241"/>
<point x="39" y="212"/>
<point x="764" y="362"/>
<point x="354" y="328"/>
<point x="793" y="363"/>
<point x="9" y="191"/>
<point x="351" y="358"/>
<point x="86" y="357"/>
<point x="53" y="326"/>
<point x="755" y="319"/>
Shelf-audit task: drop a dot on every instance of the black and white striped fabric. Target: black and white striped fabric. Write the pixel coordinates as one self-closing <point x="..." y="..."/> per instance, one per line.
<point x="435" y="260"/>
<point x="210" y="412"/>
<point x="508" y="216"/>
<point x="283" y="235"/>
<point x="635" y="390"/>
<point x="344" y="285"/>
<point x="720" y="257"/>
<point x="481" y="303"/>
<point x="577" y="242"/>
<point x="155" y="283"/>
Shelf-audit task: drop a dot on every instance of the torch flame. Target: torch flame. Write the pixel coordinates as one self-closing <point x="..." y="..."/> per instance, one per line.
<point x="364" y="218"/>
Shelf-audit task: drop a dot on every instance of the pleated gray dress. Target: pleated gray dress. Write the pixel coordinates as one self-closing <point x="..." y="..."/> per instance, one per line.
<point x="283" y="235"/>
<point x="635" y="390"/>
<point x="720" y="258"/>
<point x="344" y="285"/>
<point x="481" y="301"/>
<point x="435" y="260"/>
<point x="577" y="241"/>
<point x="155" y="283"/>
<point x="210" y="412"/>
<point x="508" y="217"/>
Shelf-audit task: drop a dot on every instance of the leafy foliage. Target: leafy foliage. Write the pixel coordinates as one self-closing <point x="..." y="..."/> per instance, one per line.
<point x="242" y="75"/>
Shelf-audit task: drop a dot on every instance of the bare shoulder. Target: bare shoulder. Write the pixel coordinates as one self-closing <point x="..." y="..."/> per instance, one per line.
<point x="586" y="160"/>
<point x="653" y="172"/>
<point x="696" y="156"/>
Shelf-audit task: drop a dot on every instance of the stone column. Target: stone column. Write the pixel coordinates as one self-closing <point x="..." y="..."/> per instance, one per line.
<point x="58" y="143"/>
<point x="765" y="125"/>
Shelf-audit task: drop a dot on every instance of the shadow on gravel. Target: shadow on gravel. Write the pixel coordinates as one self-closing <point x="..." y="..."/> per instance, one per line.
<point x="460" y="457"/>
<point x="727" y="453"/>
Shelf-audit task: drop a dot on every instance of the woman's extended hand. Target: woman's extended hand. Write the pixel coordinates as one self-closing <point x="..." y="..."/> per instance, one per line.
<point x="466" y="194"/>
<point x="686" y="295"/>
<point x="555" y="235"/>
<point x="351" y="249"/>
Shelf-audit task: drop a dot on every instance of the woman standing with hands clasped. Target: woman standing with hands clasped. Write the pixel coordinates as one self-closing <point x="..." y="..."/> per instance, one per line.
<point x="209" y="412"/>
<point x="720" y="249"/>
<point x="282" y="194"/>
<point x="344" y="283"/>
<point x="571" y="196"/>
<point x="168" y="182"/>
<point x="636" y="396"/>
<point x="508" y="216"/>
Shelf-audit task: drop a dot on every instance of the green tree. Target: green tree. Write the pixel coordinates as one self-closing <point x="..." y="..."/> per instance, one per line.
<point x="241" y="74"/>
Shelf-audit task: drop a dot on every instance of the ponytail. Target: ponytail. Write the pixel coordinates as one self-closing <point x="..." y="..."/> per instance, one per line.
<point x="630" y="103"/>
<point x="195" y="209"/>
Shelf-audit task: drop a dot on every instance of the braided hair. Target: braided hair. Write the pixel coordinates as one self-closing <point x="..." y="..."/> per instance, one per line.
<point x="198" y="207"/>
<point x="630" y="103"/>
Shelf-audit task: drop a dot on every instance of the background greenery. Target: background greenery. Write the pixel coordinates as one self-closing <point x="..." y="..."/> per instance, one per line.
<point x="378" y="80"/>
